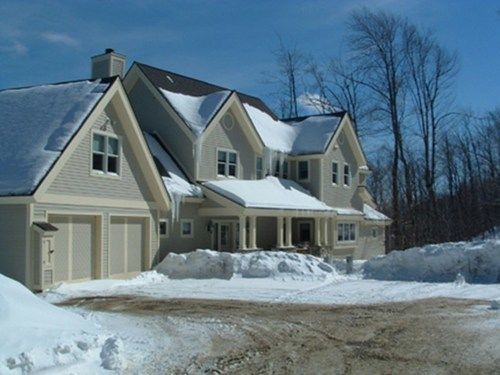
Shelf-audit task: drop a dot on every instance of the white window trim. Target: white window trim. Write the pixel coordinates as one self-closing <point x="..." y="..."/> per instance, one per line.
<point x="97" y="173"/>
<point x="167" y="229"/>
<point x="308" y="170"/>
<point x="349" y="176"/>
<point x="331" y="171"/>
<point x="227" y="163"/>
<point x="346" y="242"/>
<point x="191" y="221"/>
<point x="262" y="169"/>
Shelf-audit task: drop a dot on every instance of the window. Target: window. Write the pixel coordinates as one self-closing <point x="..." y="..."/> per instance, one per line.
<point x="303" y="170"/>
<point x="374" y="232"/>
<point x="335" y="173"/>
<point x="347" y="175"/>
<point x="258" y="168"/>
<point x="346" y="232"/>
<point x="227" y="162"/>
<point x="187" y="229"/>
<point x="277" y="168"/>
<point x="105" y="154"/>
<point x="285" y="169"/>
<point x="164" y="228"/>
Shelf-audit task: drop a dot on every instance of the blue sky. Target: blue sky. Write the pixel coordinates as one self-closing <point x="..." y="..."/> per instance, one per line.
<point x="229" y="42"/>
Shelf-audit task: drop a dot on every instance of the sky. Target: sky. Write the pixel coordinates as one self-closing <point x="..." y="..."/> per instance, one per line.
<point x="231" y="43"/>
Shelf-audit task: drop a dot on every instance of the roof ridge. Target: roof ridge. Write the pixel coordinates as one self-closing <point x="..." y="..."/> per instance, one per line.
<point x="103" y="80"/>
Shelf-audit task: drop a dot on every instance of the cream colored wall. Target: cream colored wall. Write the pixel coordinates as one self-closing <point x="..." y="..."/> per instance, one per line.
<point x="13" y="241"/>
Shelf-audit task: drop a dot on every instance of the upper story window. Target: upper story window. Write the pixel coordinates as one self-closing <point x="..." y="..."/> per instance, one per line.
<point x="346" y="232"/>
<point x="259" y="174"/>
<point x="105" y="154"/>
<point x="285" y="169"/>
<point x="227" y="163"/>
<point x="335" y="173"/>
<point x="347" y="175"/>
<point x="303" y="170"/>
<point x="164" y="228"/>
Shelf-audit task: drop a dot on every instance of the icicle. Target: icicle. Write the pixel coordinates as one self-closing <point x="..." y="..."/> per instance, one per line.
<point x="176" y="203"/>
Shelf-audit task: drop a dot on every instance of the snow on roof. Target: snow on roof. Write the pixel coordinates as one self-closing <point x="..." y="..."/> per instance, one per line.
<point x="36" y="124"/>
<point x="176" y="182"/>
<point x="305" y="136"/>
<point x="270" y="192"/>
<point x="347" y="211"/>
<point x="373" y="214"/>
<point x="196" y="111"/>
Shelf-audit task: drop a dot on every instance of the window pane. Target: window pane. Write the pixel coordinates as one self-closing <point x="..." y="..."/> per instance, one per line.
<point x="303" y="170"/>
<point x="112" y="146"/>
<point x="258" y="168"/>
<point x="186" y="228"/>
<point x="352" y="232"/>
<point x="98" y="143"/>
<point x="221" y="156"/>
<point x="163" y="228"/>
<point x="340" y="235"/>
<point x="232" y="170"/>
<point x="221" y="168"/>
<point x="112" y="164"/>
<point x="285" y="169"/>
<point x="98" y="162"/>
<point x="335" y="171"/>
<point x="232" y="157"/>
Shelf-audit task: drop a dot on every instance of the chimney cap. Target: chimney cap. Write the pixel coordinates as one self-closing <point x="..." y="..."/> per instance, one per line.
<point x="109" y="50"/>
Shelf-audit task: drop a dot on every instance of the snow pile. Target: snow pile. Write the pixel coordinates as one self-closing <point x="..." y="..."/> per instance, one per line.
<point x="279" y="264"/>
<point x="35" y="126"/>
<point x="209" y="264"/>
<point x="36" y="335"/>
<point x="196" y="111"/>
<point x="478" y="262"/>
<point x="199" y="264"/>
<point x="270" y="192"/>
<point x="495" y="304"/>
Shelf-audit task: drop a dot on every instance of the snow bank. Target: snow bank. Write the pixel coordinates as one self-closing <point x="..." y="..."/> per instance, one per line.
<point x="208" y="264"/>
<point x="478" y="262"/>
<point x="36" y="335"/>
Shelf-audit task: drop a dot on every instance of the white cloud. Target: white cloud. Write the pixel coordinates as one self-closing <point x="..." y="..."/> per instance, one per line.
<point x="59" y="38"/>
<point x="15" y="48"/>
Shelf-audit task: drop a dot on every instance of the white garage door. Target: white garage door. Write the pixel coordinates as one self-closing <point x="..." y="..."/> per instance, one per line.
<point x="74" y="247"/>
<point x="126" y="245"/>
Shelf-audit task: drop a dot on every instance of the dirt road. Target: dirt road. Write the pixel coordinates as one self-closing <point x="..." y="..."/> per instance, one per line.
<point x="438" y="336"/>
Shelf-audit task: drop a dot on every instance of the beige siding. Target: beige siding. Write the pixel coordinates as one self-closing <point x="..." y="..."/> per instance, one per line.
<point x="75" y="177"/>
<point x="153" y="118"/>
<point x="369" y="246"/>
<point x="338" y="195"/>
<point x="13" y="241"/>
<point x="175" y="243"/>
<point x="314" y="182"/>
<point x="234" y="139"/>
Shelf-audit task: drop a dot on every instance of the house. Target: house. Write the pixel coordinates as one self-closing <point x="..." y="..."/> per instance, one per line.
<point x="103" y="177"/>
<point x="80" y="195"/>
<point x="229" y="163"/>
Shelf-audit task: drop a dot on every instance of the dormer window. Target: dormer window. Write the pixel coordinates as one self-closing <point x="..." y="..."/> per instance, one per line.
<point x="227" y="163"/>
<point x="303" y="170"/>
<point x="335" y="173"/>
<point x="105" y="154"/>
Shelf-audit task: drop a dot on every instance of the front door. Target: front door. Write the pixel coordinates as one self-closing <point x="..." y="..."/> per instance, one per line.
<point x="224" y="237"/>
<point x="304" y="232"/>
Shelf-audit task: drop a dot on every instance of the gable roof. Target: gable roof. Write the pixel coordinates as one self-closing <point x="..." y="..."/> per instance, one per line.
<point x="37" y="123"/>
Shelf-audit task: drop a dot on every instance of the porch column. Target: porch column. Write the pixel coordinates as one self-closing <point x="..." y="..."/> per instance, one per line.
<point x="325" y="231"/>
<point x="253" y="232"/>
<point x="243" y="233"/>
<point x="333" y="230"/>
<point x="317" y="231"/>
<point x="288" y="224"/>
<point x="279" y="232"/>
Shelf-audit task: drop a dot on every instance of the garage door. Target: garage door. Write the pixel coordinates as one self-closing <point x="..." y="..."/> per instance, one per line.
<point x="126" y="247"/>
<point x="74" y="247"/>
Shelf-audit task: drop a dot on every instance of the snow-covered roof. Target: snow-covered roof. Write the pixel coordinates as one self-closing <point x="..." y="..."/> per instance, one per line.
<point x="36" y="124"/>
<point x="175" y="180"/>
<point x="270" y="192"/>
<point x="196" y="111"/>
<point x="347" y="211"/>
<point x="373" y="214"/>
<point x="307" y="135"/>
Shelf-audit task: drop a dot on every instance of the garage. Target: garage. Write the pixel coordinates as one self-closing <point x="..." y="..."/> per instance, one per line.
<point x="127" y="243"/>
<point x="74" y="254"/>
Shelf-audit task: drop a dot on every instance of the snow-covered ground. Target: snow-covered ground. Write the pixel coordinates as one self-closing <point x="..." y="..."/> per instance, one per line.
<point x="38" y="336"/>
